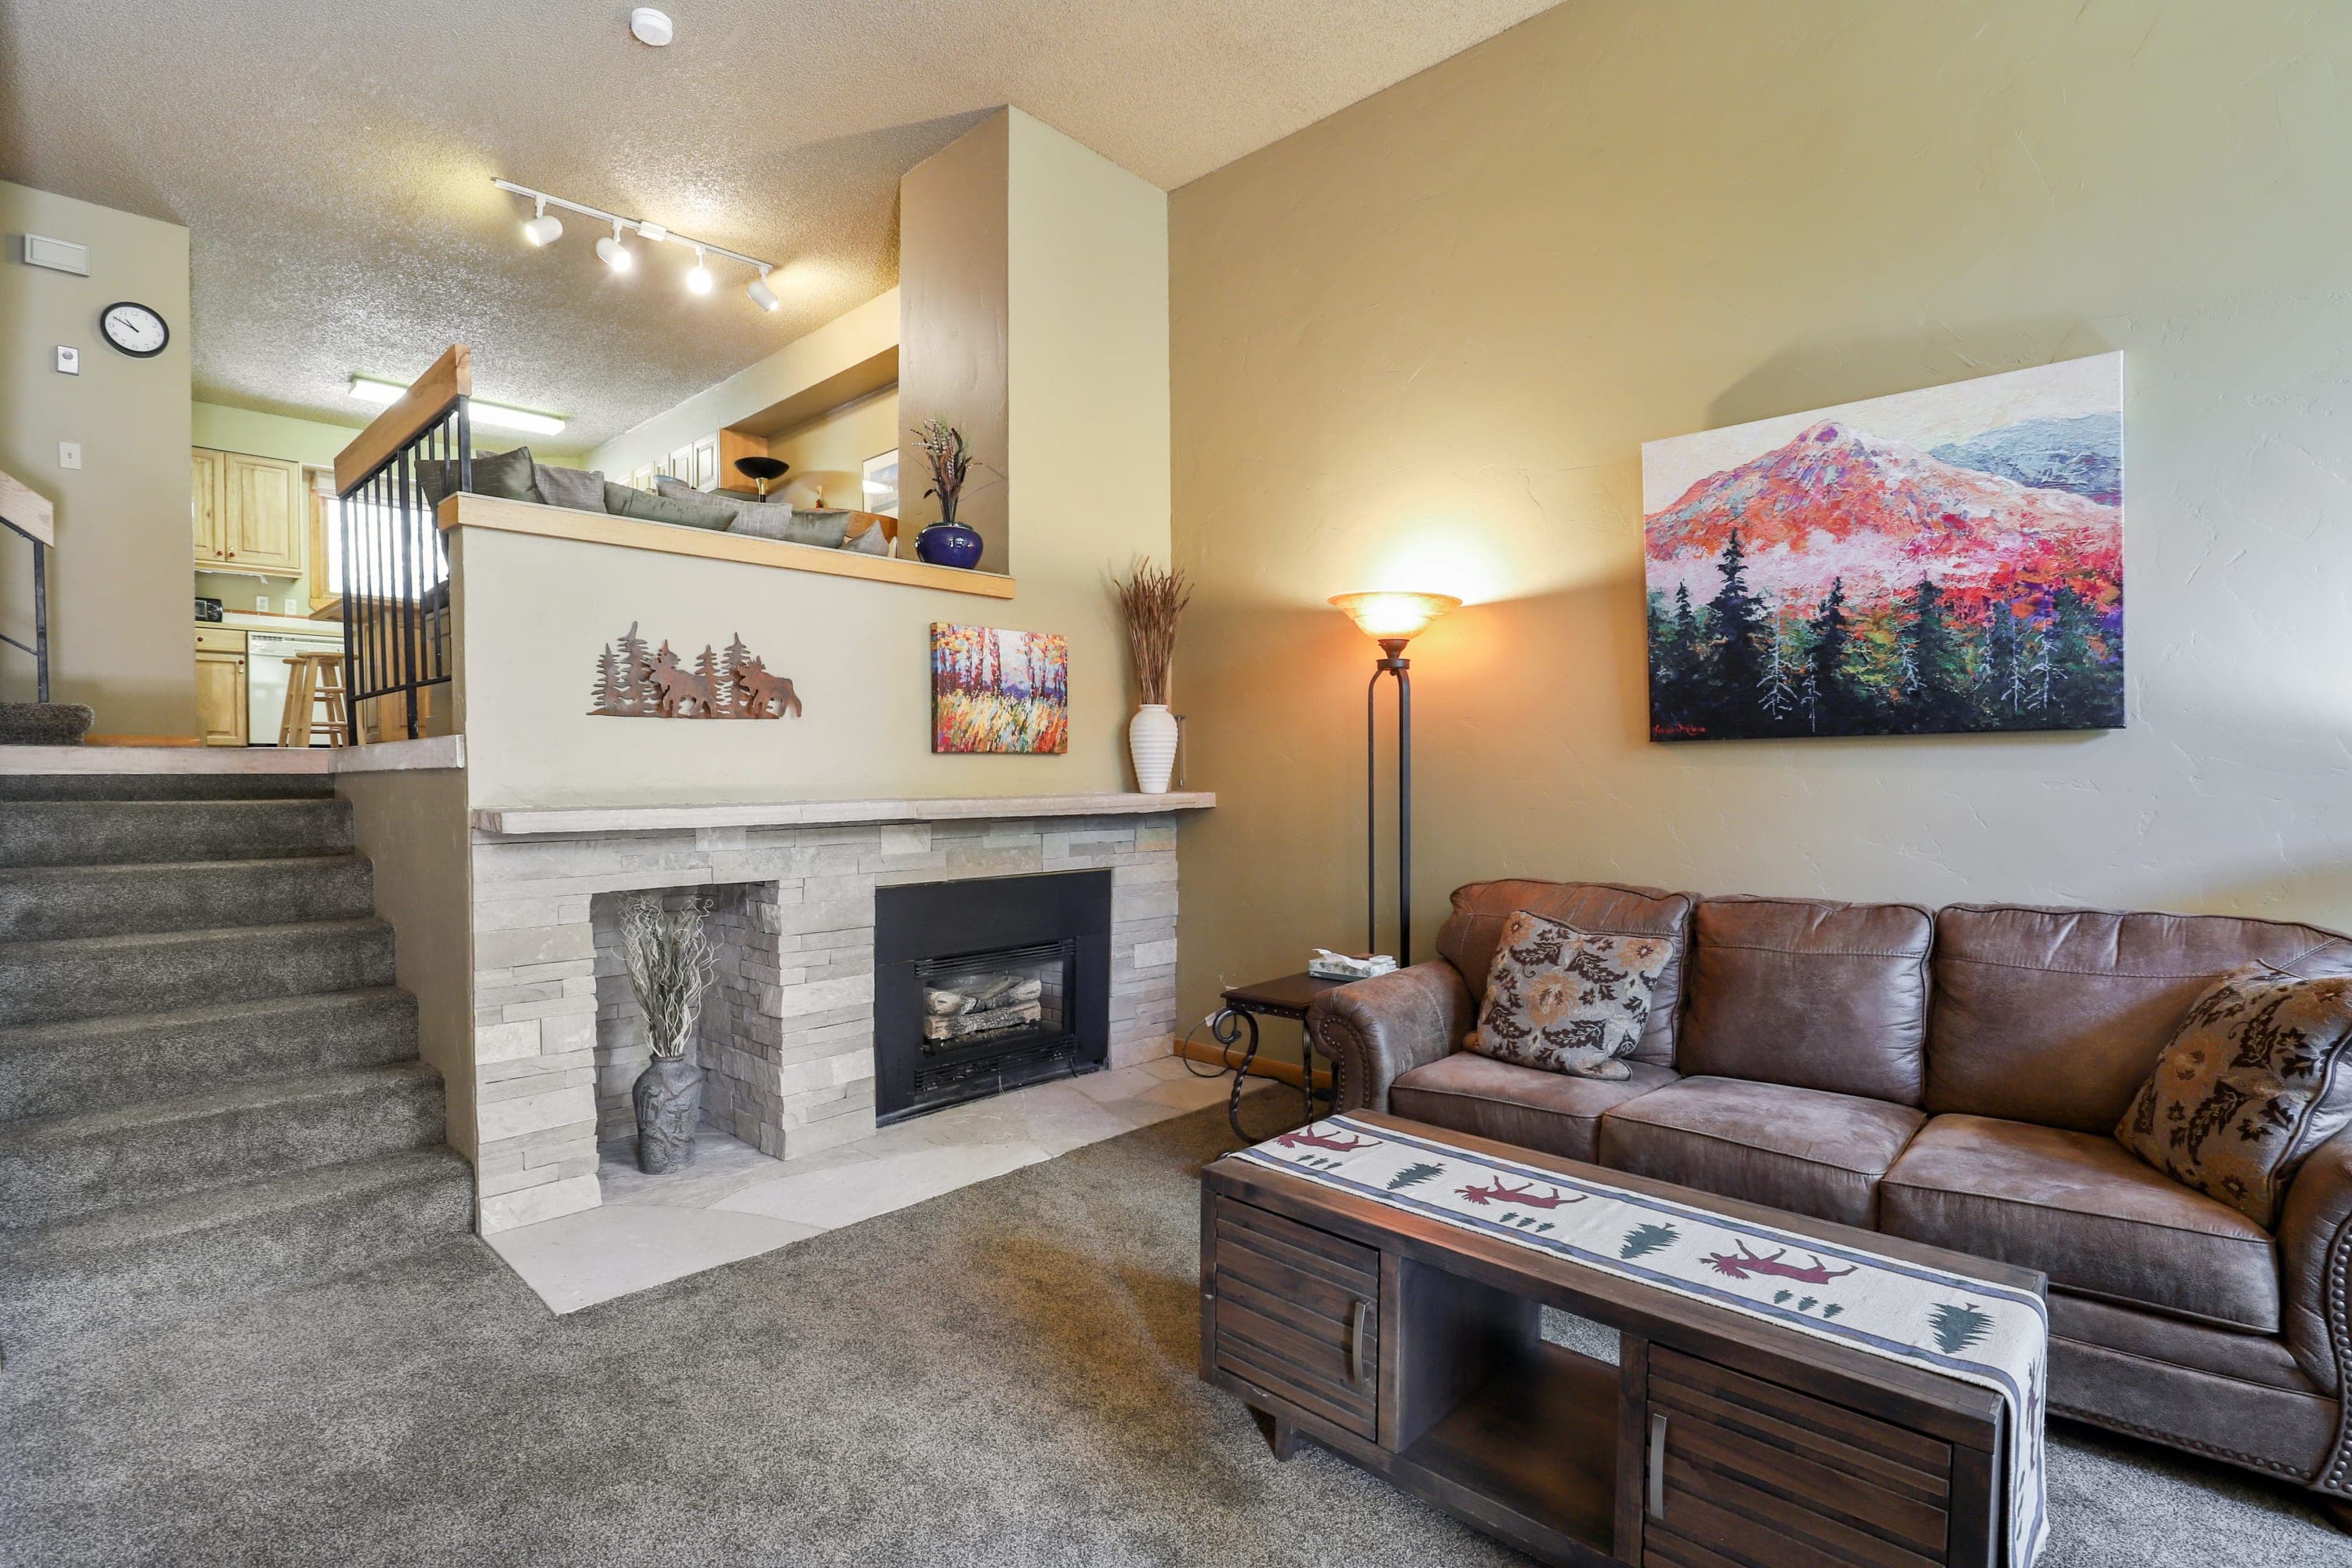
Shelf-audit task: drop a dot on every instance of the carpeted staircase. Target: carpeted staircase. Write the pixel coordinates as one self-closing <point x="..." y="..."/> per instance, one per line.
<point x="208" y="1082"/>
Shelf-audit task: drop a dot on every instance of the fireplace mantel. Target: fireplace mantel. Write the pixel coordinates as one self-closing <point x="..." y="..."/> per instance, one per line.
<point x="536" y="822"/>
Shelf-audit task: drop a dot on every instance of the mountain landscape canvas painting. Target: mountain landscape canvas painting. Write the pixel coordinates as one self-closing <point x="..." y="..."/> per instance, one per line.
<point x="1940" y="562"/>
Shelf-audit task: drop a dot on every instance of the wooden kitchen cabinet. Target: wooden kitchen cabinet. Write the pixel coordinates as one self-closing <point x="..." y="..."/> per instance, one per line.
<point x="220" y="697"/>
<point x="247" y="512"/>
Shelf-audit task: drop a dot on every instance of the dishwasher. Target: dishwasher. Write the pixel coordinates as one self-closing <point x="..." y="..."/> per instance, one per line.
<point x="265" y="673"/>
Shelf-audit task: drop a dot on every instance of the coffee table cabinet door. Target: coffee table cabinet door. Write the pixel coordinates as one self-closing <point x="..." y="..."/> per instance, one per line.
<point x="1297" y="1314"/>
<point x="1740" y="1470"/>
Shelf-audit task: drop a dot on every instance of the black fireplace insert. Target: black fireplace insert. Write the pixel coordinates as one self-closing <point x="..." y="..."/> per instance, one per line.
<point x="984" y="986"/>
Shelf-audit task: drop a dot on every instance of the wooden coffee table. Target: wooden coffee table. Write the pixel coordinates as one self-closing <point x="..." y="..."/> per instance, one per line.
<point x="1413" y="1348"/>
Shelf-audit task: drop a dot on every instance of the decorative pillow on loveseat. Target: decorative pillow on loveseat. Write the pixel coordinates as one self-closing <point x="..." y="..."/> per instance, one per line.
<point x="1565" y="1000"/>
<point x="2258" y="1076"/>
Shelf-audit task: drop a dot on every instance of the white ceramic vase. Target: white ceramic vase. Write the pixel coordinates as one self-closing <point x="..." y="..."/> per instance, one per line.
<point x="1151" y="744"/>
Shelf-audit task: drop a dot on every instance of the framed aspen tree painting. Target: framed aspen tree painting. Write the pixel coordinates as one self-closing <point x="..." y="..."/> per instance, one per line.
<point x="1942" y="562"/>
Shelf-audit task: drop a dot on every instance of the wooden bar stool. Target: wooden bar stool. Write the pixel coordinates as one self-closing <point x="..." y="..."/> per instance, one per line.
<point x="313" y="679"/>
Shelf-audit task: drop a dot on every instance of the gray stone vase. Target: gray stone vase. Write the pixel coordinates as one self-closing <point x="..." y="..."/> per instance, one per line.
<point x="668" y="1097"/>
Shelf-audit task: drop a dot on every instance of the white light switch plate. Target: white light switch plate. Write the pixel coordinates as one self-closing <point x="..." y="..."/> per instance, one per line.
<point x="68" y="360"/>
<point x="69" y="454"/>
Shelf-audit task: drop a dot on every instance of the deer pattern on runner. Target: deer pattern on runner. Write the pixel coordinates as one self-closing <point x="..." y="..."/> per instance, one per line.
<point x="1495" y="1192"/>
<point x="1744" y="1264"/>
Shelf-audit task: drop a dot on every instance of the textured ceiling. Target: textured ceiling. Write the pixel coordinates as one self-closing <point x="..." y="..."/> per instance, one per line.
<point x="333" y="161"/>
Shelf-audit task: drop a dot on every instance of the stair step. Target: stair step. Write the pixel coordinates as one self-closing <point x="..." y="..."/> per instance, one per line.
<point x="39" y="902"/>
<point x="166" y="786"/>
<point x="65" y="1166"/>
<point x="56" y="1069"/>
<point x="103" y="976"/>
<point x="118" y="1270"/>
<point x="152" y="832"/>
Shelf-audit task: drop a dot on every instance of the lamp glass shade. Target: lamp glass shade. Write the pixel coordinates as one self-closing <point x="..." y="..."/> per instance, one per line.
<point x="1385" y="616"/>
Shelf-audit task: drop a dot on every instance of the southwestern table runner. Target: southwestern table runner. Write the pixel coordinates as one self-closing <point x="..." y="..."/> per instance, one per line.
<point x="1981" y="1333"/>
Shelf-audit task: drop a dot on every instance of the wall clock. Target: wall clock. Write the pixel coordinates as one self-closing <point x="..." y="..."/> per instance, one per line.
<point x="135" y="329"/>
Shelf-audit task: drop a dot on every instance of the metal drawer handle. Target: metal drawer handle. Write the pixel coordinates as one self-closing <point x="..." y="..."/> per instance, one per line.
<point x="1657" y="1464"/>
<point x="1358" y="1317"/>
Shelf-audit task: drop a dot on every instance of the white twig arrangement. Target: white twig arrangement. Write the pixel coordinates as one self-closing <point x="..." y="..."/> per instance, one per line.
<point x="670" y="961"/>
<point x="1151" y="598"/>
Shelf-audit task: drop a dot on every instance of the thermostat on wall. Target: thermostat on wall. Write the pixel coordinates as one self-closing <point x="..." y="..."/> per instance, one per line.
<point x="58" y="255"/>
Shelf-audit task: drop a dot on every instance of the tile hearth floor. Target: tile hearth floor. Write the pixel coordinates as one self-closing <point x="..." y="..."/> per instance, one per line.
<point x="737" y="1203"/>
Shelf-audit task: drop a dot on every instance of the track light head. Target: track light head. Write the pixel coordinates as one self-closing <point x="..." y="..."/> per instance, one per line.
<point x="613" y="254"/>
<point x="698" y="279"/>
<point x="542" y="229"/>
<point x="761" y="295"/>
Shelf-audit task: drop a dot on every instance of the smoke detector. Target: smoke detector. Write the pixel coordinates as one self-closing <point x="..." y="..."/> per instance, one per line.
<point x="650" y="27"/>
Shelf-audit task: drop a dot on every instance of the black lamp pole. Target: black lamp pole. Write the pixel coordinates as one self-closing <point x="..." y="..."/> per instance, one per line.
<point x="1395" y="664"/>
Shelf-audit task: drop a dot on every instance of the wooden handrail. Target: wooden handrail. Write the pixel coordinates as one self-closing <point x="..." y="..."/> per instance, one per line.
<point x="428" y="397"/>
<point x="27" y="511"/>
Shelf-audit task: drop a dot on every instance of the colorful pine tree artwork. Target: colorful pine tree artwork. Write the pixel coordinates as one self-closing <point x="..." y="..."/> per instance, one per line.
<point x="1943" y="561"/>
<point x="994" y="690"/>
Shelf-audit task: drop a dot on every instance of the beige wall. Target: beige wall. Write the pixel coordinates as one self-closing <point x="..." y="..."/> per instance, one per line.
<point x="1421" y="343"/>
<point x="1084" y="259"/>
<point x="954" y="210"/>
<point x="828" y="454"/>
<point x="411" y="825"/>
<point x="119" y="590"/>
<point x="308" y="441"/>
<point x="846" y="341"/>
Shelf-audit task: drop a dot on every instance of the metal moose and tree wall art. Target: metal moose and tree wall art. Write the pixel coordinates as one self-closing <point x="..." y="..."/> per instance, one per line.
<point x="633" y="683"/>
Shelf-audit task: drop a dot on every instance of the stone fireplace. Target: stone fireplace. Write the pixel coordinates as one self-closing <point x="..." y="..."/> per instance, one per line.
<point x="789" y="1029"/>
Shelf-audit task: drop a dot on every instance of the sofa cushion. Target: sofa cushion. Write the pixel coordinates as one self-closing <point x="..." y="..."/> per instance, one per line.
<point x="2083" y="1210"/>
<point x="578" y="488"/>
<point x="2056" y="1015"/>
<point x="1809" y="993"/>
<point x="2263" y="1358"/>
<point x="1472" y="931"/>
<point x="1567" y="1001"/>
<point x="510" y="476"/>
<point x="2259" y="1076"/>
<point x="1535" y="1109"/>
<point x="622" y="500"/>
<point x="1796" y="1149"/>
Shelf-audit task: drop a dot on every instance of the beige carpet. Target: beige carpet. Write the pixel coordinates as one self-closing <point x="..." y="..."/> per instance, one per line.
<point x="1004" y="1375"/>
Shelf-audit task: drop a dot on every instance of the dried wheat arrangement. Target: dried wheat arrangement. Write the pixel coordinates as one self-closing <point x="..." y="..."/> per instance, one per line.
<point x="1151" y="598"/>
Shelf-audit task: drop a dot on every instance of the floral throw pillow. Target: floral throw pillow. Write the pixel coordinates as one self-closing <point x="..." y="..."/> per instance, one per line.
<point x="1565" y="1000"/>
<point x="2258" y="1076"/>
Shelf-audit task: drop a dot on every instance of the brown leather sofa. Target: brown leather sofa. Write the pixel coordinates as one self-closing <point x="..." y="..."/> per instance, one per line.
<point x="1951" y="1076"/>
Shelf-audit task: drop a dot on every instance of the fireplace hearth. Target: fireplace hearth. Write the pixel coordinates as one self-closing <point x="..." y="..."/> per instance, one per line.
<point x="982" y="985"/>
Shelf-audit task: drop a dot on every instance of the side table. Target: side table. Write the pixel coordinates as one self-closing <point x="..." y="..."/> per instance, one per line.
<point x="1244" y="1005"/>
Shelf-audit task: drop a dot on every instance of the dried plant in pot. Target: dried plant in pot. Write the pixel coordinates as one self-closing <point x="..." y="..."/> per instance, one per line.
<point x="1150" y="599"/>
<point x="669" y="961"/>
<point x="947" y="542"/>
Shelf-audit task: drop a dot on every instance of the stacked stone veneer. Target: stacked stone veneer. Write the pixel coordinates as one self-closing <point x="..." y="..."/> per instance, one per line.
<point x="788" y="1028"/>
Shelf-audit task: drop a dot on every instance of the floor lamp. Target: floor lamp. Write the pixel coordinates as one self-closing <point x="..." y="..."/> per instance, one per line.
<point x="1392" y="620"/>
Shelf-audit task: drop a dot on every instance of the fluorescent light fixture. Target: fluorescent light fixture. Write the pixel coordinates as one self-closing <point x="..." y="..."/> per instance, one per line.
<point x="494" y="415"/>
<point x="543" y="230"/>
<point x="699" y="279"/>
<point x="761" y="295"/>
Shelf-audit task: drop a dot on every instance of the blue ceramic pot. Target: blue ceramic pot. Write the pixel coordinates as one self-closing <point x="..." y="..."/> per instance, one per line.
<point x="948" y="545"/>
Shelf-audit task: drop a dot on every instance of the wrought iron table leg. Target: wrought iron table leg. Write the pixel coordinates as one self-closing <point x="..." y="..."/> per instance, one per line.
<point x="1225" y="1028"/>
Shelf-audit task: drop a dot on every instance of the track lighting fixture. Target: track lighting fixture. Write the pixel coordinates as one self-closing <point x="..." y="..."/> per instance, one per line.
<point x="612" y="253"/>
<point x="543" y="228"/>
